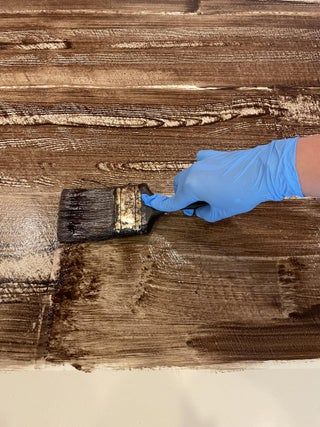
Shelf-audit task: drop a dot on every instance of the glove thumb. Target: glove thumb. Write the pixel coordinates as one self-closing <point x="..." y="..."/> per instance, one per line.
<point x="164" y="203"/>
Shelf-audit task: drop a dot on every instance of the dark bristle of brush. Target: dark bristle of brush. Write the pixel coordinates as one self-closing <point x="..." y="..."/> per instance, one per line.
<point x="101" y="213"/>
<point x="86" y="214"/>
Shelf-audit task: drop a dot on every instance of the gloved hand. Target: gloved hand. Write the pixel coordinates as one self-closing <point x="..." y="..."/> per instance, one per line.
<point x="233" y="182"/>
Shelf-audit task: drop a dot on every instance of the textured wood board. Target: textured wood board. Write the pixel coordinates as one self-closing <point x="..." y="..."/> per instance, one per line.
<point x="100" y="6"/>
<point x="108" y="93"/>
<point x="126" y="51"/>
<point x="114" y="137"/>
<point x="259" y="8"/>
<point x="24" y="330"/>
<point x="193" y="294"/>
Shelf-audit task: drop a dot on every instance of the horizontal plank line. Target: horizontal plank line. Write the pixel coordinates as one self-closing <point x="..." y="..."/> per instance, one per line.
<point x="165" y="87"/>
<point x="264" y="257"/>
<point x="169" y="58"/>
<point x="199" y="12"/>
<point x="37" y="12"/>
<point x="173" y="87"/>
<point x="266" y="13"/>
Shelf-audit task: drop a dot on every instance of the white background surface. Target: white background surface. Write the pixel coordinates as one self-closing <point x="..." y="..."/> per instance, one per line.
<point x="283" y="396"/>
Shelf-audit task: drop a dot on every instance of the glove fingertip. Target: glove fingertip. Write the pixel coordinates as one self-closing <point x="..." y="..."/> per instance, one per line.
<point x="147" y="199"/>
<point x="203" y="212"/>
<point x="188" y="212"/>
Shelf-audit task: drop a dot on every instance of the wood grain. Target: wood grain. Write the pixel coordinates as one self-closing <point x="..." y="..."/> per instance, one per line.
<point x="120" y="136"/>
<point x="258" y="8"/>
<point x="190" y="49"/>
<point x="100" y="6"/>
<point x="179" y="296"/>
<point x="105" y="93"/>
<point x="24" y="331"/>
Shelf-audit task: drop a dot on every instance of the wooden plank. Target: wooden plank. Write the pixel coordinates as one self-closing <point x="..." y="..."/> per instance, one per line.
<point x="100" y="6"/>
<point x="153" y="6"/>
<point x="197" y="294"/>
<point x="258" y="8"/>
<point x="28" y="278"/>
<point x="189" y="50"/>
<point x="24" y="329"/>
<point x="180" y="296"/>
<point x="121" y="136"/>
<point x="158" y="136"/>
<point x="40" y="253"/>
<point x="27" y="235"/>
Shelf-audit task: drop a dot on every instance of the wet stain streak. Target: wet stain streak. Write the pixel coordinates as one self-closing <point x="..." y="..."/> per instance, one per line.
<point x="275" y="341"/>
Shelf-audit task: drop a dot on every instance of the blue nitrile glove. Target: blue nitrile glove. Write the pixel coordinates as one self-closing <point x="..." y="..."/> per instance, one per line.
<point x="234" y="182"/>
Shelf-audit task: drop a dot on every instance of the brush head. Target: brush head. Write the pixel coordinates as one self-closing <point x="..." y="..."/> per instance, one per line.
<point x="103" y="213"/>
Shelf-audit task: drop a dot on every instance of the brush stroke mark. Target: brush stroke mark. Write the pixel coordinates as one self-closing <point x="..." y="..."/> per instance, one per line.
<point x="26" y="309"/>
<point x="290" y="282"/>
<point x="71" y="288"/>
<point x="24" y="327"/>
<point x="159" y="303"/>
<point x="312" y="312"/>
<point x="288" y="340"/>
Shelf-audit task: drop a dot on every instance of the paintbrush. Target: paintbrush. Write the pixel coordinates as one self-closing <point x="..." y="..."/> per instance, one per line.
<point x="103" y="213"/>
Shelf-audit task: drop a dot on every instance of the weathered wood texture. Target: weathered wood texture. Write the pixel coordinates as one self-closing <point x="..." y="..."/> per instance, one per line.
<point x="192" y="294"/>
<point x="100" y="6"/>
<point x="258" y="8"/>
<point x="189" y="49"/>
<point x="110" y="137"/>
<point x="108" y="93"/>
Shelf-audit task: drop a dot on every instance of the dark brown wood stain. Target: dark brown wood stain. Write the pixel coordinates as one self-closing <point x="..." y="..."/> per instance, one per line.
<point x="186" y="296"/>
<point x="72" y="287"/>
<point x="286" y="340"/>
<point x="101" y="94"/>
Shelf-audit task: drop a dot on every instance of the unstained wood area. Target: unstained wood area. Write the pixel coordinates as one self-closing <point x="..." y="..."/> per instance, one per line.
<point x="105" y="93"/>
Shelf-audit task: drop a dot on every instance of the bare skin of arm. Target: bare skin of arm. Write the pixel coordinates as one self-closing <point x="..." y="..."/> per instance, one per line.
<point x="308" y="164"/>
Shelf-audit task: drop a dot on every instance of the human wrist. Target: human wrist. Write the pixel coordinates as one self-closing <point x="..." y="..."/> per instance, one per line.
<point x="282" y="176"/>
<point x="308" y="160"/>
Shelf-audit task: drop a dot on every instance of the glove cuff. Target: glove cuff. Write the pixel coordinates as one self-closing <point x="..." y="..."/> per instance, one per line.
<point x="283" y="179"/>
